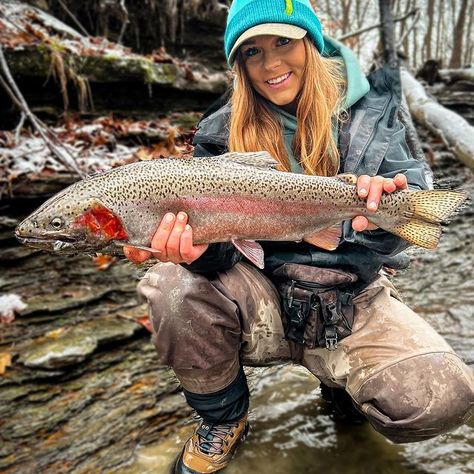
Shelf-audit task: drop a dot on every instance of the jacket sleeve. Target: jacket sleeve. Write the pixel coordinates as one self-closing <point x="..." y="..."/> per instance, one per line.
<point x="218" y="257"/>
<point x="398" y="159"/>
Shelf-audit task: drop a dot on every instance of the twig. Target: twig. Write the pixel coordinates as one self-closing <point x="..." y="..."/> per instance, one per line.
<point x="415" y="21"/>
<point x="378" y="25"/>
<point x="125" y="21"/>
<point x="14" y="92"/>
<point x="19" y="127"/>
<point x="73" y="17"/>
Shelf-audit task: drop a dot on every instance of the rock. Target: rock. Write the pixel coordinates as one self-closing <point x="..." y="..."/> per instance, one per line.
<point x="69" y="346"/>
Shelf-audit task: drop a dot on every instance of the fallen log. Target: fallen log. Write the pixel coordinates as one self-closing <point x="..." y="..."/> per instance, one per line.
<point x="453" y="129"/>
<point x="454" y="75"/>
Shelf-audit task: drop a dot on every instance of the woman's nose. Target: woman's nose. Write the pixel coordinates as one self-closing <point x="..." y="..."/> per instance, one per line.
<point x="271" y="61"/>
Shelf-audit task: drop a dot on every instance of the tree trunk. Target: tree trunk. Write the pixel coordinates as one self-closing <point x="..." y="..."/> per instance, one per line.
<point x="468" y="39"/>
<point x="456" y="57"/>
<point x="454" y="130"/>
<point x="429" y="31"/>
<point x="387" y="32"/>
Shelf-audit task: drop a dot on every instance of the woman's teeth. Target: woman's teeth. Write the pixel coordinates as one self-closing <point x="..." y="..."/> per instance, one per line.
<point x="279" y="79"/>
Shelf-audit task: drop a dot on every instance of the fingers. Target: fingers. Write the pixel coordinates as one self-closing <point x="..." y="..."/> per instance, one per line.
<point x="188" y="251"/>
<point x="174" y="240"/>
<point x="135" y="255"/>
<point x="375" y="193"/>
<point x="373" y="187"/>
<point x="160" y="239"/>
<point x="360" y="223"/>
<point x="400" y="181"/>
<point x="363" y="185"/>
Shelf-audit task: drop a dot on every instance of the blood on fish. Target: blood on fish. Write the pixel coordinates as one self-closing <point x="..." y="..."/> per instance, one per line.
<point x="101" y="221"/>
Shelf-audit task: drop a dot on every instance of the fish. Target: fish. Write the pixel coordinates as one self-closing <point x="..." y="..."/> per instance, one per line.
<point x="235" y="197"/>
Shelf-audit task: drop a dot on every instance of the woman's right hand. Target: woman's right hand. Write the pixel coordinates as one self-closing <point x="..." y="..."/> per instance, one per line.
<point x="173" y="242"/>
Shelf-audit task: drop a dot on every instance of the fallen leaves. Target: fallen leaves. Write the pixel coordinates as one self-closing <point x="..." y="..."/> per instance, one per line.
<point x="103" y="262"/>
<point x="5" y="361"/>
<point x="100" y="144"/>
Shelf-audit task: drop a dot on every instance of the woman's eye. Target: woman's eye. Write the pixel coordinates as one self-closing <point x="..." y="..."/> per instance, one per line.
<point x="283" y="41"/>
<point x="248" y="53"/>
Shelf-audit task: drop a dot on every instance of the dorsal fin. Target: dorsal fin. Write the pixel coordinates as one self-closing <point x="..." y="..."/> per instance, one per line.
<point x="258" y="159"/>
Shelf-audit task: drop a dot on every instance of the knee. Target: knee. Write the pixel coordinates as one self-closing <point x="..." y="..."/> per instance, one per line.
<point x="418" y="398"/>
<point x="167" y="288"/>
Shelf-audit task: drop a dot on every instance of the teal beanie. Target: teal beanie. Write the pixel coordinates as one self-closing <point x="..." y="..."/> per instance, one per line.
<point x="245" y="14"/>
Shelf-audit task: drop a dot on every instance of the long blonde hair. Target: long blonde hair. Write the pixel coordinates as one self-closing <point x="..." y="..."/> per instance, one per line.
<point x="254" y="126"/>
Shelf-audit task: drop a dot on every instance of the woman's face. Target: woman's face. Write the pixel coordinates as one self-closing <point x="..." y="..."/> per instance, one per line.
<point x="275" y="67"/>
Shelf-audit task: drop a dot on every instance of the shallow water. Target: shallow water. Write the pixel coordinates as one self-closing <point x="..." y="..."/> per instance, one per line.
<point x="290" y="430"/>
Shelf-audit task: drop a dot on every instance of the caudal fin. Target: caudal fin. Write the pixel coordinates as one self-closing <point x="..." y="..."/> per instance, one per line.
<point x="425" y="211"/>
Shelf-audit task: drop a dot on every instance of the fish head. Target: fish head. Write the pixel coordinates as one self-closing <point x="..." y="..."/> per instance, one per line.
<point x="70" y="223"/>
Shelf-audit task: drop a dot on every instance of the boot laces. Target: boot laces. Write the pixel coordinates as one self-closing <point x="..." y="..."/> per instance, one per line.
<point x="216" y="438"/>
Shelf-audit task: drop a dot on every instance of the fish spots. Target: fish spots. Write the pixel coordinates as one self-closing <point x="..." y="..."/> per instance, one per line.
<point x="101" y="221"/>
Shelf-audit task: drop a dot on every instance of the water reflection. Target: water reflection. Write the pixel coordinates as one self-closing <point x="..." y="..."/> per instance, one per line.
<point x="292" y="433"/>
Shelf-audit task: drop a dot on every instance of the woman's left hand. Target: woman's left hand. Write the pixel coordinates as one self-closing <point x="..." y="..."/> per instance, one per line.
<point x="372" y="188"/>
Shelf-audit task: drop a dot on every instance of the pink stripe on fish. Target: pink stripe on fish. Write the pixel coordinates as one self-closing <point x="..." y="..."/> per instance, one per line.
<point x="249" y="206"/>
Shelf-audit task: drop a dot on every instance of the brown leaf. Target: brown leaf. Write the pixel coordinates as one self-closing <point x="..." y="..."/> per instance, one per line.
<point x="103" y="262"/>
<point x="5" y="361"/>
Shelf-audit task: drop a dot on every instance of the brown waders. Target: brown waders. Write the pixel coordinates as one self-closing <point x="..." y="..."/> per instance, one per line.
<point x="399" y="372"/>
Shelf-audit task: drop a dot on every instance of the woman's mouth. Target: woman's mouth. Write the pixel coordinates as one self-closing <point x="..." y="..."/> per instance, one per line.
<point x="279" y="81"/>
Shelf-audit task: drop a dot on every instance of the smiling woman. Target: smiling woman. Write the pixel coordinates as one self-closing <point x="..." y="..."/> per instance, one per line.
<point x="302" y="97"/>
<point x="290" y="74"/>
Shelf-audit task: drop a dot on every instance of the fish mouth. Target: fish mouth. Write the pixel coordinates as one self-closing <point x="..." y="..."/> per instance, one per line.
<point x="51" y="243"/>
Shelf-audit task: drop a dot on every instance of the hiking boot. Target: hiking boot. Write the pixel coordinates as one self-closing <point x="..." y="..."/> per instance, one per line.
<point x="211" y="447"/>
<point x="341" y="406"/>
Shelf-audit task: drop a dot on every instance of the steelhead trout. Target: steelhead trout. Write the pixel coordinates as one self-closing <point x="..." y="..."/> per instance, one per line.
<point x="236" y="197"/>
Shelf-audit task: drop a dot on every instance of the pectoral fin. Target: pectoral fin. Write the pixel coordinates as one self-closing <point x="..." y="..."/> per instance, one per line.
<point x="327" y="239"/>
<point x="252" y="250"/>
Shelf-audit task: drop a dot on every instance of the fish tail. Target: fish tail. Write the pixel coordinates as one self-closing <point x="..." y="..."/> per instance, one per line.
<point x="423" y="215"/>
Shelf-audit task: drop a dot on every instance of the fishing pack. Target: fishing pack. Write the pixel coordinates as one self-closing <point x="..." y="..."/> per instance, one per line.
<point x="316" y="303"/>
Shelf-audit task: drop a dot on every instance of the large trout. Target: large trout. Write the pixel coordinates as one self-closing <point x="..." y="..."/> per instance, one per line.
<point x="236" y="197"/>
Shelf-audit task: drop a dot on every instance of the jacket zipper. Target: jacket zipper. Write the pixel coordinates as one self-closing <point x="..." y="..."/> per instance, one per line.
<point x="362" y="153"/>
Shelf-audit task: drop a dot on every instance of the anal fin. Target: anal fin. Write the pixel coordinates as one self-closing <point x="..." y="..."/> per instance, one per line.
<point x="327" y="239"/>
<point x="252" y="250"/>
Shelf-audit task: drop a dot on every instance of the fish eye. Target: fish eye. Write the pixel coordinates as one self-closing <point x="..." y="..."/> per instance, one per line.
<point x="57" y="223"/>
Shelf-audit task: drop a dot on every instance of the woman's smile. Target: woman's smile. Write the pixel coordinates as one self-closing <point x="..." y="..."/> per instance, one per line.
<point x="280" y="81"/>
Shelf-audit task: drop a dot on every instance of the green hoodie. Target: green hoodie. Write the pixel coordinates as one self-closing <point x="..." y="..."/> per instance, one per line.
<point x="357" y="87"/>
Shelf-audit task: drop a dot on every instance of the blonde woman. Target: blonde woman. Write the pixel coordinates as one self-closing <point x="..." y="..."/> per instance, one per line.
<point x="302" y="97"/>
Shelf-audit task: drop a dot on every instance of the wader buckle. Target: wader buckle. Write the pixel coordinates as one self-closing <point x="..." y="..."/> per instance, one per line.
<point x="298" y="309"/>
<point x="332" y="315"/>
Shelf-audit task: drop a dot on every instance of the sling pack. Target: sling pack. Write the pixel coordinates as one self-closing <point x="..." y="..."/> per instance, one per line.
<point x="316" y="303"/>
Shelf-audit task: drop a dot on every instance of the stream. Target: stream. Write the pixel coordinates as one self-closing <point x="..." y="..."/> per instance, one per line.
<point x="86" y="394"/>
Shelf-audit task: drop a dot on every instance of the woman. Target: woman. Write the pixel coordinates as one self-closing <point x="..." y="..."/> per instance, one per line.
<point x="302" y="97"/>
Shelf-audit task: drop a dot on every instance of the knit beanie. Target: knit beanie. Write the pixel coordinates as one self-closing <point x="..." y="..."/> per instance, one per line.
<point x="288" y="18"/>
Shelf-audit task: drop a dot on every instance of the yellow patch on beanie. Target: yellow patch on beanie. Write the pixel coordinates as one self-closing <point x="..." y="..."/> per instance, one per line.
<point x="289" y="7"/>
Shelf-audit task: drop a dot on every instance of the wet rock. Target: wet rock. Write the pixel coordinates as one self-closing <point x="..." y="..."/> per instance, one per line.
<point x="71" y="346"/>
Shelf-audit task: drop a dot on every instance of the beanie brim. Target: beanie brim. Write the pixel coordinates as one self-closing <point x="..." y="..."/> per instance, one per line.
<point x="279" y="29"/>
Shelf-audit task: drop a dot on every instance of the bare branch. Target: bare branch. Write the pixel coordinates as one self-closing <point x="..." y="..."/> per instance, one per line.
<point x="14" y="92"/>
<point x="73" y="18"/>
<point x="378" y="25"/>
<point x="410" y="29"/>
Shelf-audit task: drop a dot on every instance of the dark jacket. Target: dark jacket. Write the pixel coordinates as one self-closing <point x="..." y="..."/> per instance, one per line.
<point x="372" y="141"/>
